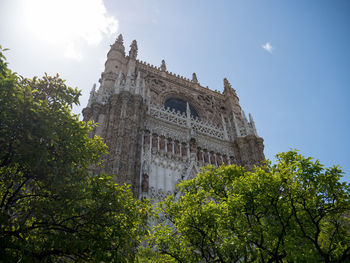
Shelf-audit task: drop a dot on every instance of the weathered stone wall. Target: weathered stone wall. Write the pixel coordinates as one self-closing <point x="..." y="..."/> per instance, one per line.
<point x="121" y="130"/>
<point x="152" y="148"/>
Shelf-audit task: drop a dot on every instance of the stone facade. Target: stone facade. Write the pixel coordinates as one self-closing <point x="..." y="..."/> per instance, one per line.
<point x="161" y="127"/>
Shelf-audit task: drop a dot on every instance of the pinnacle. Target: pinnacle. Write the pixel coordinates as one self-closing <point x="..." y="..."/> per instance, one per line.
<point x="120" y="39"/>
<point x="133" y="50"/>
<point x="119" y="45"/>
<point x="226" y="83"/>
<point x="194" y="78"/>
<point x="228" y="87"/>
<point x="163" y="65"/>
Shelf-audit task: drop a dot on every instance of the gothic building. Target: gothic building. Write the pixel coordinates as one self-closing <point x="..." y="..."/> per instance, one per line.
<point x="161" y="127"/>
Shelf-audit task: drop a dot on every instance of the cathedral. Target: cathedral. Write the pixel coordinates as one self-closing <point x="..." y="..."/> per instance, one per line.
<point x="160" y="127"/>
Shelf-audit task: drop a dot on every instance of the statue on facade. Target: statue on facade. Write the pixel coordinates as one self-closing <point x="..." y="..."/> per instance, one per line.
<point x="194" y="78"/>
<point x="192" y="146"/>
<point x="154" y="141"/>
<point x="163" y="66"/>
<point x="162" y="143"/>
<point x="144" y="184"/>
<point x="133" y="50"/>
<point x="177" y="147"/>
<point x="170" y="146"/>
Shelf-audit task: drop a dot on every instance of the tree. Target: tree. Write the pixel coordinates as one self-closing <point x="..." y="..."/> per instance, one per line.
<point x="51" y="208"/>
<point x="293" y="211"/>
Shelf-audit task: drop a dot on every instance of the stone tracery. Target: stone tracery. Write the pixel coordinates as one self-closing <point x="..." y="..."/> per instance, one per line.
<point x="154" y="147"/>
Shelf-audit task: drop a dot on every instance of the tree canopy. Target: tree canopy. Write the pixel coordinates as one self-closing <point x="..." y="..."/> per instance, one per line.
<point x="51" y="207"/>
<point x="292" y="211"/>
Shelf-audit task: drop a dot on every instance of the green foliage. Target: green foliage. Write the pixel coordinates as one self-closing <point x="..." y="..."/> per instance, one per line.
<point x="51" y="208"/>
<point x="293" y="211"/>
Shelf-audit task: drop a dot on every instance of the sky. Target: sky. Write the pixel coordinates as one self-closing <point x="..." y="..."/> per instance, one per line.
<point x="289" y="61"/>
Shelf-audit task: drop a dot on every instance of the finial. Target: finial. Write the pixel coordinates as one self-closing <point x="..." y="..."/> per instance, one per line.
<point x="133" y="50"/>
<point x="119" y="44"/>
<point x="226" y="83"/>
<point x="93" y="90"/>
<point x="194" y="78"/>
<point x="228" y="87"/>
<point x="163" y="66"/>
<point x="120" y="39"/>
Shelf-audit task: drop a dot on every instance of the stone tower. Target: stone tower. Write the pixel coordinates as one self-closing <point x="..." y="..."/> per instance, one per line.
<point x="161" y="127"/>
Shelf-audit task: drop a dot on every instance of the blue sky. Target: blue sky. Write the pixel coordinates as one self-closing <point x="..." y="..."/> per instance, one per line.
<point x="297" y="92"/>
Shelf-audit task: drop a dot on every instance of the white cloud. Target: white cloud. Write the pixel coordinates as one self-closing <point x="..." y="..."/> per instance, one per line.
<point x="71" y="51"/>
<point x="268" y="47"/>
<point x="68" y="24"/>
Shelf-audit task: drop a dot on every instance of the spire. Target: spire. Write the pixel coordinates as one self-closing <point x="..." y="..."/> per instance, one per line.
<point x="92" y="97"/>
<point x="133" y="50"/>
<point x="251" y="120"/>
<point x="227" y="87"/>
<point x="119" y="44"/>
<point x="194" y="78"/>
<point x="163" y="66"/>
<point x="245" y="122"/>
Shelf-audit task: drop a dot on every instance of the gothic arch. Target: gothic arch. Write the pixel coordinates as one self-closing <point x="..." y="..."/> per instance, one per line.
<point x="179" y="95"/>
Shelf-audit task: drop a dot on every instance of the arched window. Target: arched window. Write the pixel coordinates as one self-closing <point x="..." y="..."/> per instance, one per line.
<point x="180" y="105"/>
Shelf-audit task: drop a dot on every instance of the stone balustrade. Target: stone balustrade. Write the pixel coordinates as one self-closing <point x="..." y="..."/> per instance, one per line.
<point x="174" y="148"/>
<point x="181" y="119"/>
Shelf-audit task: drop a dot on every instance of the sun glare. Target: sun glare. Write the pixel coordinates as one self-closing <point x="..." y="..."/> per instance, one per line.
<point x="68" y="24"/>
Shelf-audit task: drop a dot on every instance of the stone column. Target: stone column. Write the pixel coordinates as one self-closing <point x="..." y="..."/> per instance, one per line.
<point x="183" y="149"/>
<point x="169" y="145"/>
<point x="124" y="115"/>
<point x="206" y="156"/>
<point x="162" y="143"/>
<point x="176" y="147"/>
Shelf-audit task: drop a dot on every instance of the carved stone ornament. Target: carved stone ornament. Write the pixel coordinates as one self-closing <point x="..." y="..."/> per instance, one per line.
<point x="133" y="50"/>
<point x="163" y="65"/>
<point x="144" y="184"/>
<point x="153" y="147"/>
